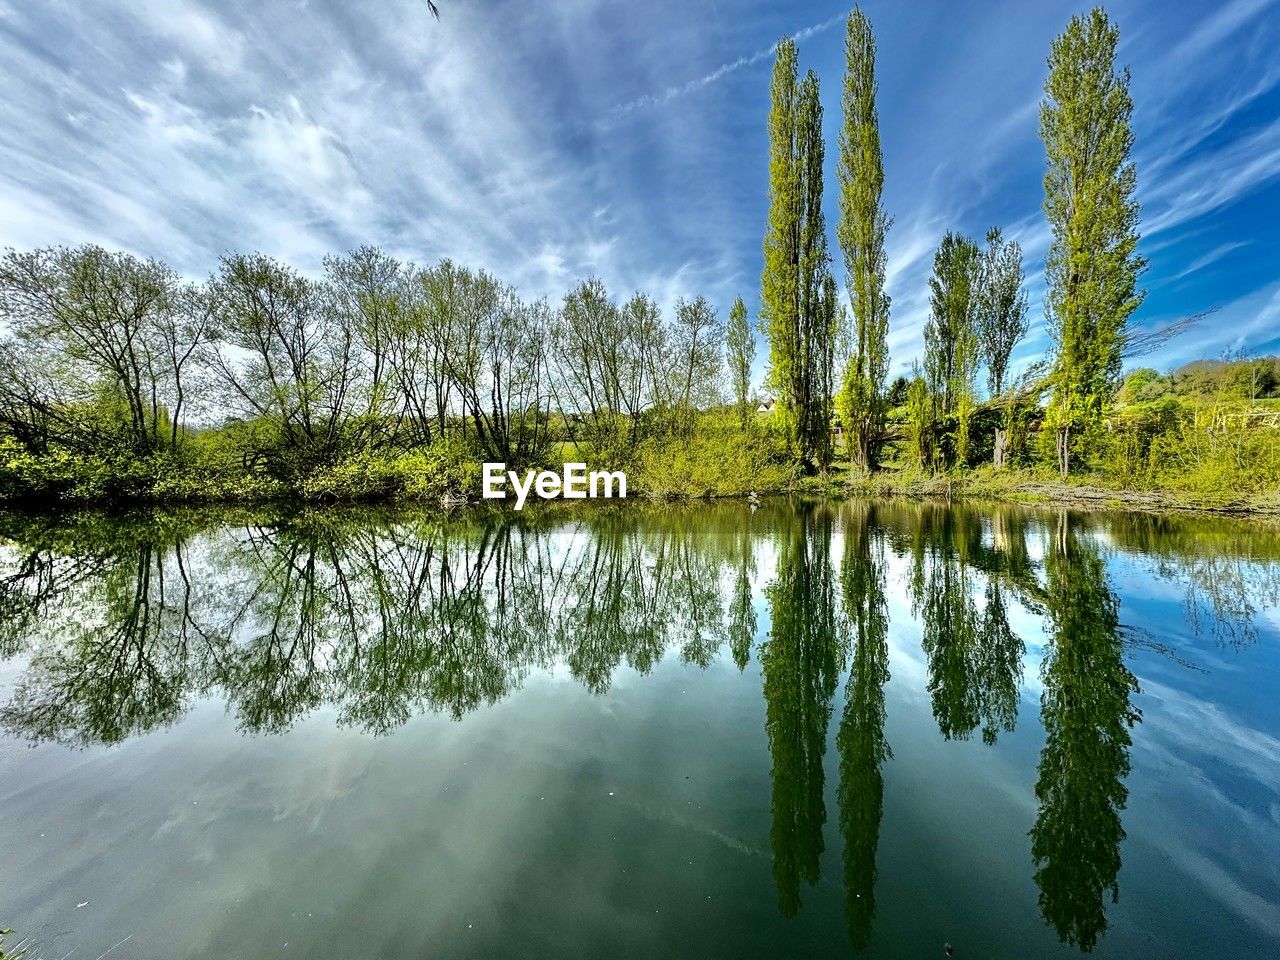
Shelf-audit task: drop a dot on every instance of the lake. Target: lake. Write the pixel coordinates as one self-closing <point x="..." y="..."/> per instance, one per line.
<point x="810" y="729"/>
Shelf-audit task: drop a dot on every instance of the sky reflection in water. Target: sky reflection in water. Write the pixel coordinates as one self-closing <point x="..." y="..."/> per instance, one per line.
<point x="805" y="730"/>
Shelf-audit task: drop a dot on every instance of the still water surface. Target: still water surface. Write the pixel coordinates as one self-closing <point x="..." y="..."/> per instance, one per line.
<point x="807" y="730"/>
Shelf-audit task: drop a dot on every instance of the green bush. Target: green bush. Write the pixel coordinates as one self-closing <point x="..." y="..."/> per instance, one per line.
<point x="716" y="462"/>
<point x="1221" y="464"/>
<point x="209" y="469"/>
<point x="446" y="468"/>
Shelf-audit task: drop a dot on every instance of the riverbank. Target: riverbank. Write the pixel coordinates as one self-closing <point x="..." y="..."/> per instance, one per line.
<point x="1007" y="486"/>
<point x="1020" y="486"/>
<point x="705" y="465"/>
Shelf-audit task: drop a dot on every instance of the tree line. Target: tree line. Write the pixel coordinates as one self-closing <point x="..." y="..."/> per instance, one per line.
<point x="108" y="352"/>
<point x="380" y="377"/>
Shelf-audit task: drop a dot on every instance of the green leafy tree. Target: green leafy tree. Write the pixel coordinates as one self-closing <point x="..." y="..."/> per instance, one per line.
<point x="818" y="300"/>
<point x="780" y="279"/>
<point x="862" y="228"/>
<point x="586" y="340"/>
<point x="697" y="342"/>
<point x="920" y="419"/>
<point x="951" y="336"/>
<point x="90" y="320"/>
<point x="897" y="395"/>
<point x="1092" y="267"/>
<point x="740" y="345"/>
<point x="1002" y="323"/>
<point x="289" y="361"/>
<point x="796" y="310"/>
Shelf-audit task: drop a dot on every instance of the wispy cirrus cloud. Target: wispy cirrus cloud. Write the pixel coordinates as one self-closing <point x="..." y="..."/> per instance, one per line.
<point x="510" y="136"/>
<point x="747" y="60"/>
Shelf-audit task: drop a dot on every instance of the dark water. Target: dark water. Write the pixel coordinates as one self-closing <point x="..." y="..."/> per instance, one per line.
<point x="808" y="730"/>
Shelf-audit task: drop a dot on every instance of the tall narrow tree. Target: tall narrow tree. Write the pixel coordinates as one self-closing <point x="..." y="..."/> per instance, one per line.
<point x="1092" y="267"/>
<point x="779" y="281"/>
<point x="1002" y="322"/>
<point x="793" y="311"/>
<point x="817" y="313"/>
<point x="861" y="230"/>
<point x="951" y="337"/>
<point x="740" y="346"/>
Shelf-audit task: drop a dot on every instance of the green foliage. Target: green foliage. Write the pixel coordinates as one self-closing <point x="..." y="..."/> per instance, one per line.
<point x="1143" y="386"/>
<point x="203" y="472"/>
<point x="862" y="229"/>
<point x="719" y="459"/>
<point x="10" y="953"/>
<point x="798" y="312"/>
<point x="919" y="421"/>
<point x="446" y="468"/>
<point x="96" y="324"/>
<point x="1002" y="307"/>
<point x="740" y="347"/>
<point x="951" y="338"/>
<point x="1177" y="452"/>
<point x="1092" y="267"/>
<point x="1246" y="379"/>
<point x="780" y="278"/>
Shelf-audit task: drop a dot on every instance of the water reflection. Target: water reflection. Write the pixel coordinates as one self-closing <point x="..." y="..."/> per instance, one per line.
<point x="801" y="665"/>
<point x="861" y="739"/>
<point x="120" y="624"/>
<point x="1087" y="715"/>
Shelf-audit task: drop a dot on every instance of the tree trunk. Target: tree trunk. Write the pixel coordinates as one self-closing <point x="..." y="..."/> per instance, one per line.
<point x="863" y="448"/>
<point x="1064" y="450"/>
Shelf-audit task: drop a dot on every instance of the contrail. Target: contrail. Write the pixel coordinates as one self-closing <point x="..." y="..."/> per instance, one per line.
<point x="669" y="94"/>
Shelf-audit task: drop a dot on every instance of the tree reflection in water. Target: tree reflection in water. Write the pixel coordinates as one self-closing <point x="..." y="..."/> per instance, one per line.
<point x="1087" y="714"/>
<point x="121" y="623"/>
<point x="860" y="739"/>
<point x="800" y="663"/>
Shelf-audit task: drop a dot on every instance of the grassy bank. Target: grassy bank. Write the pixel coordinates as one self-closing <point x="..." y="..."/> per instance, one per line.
<point x="1180" y="467"/>
<point x="1032" y="486"/>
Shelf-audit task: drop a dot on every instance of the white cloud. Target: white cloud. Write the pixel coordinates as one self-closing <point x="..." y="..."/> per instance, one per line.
<point x="186" y="129"/>
<point x="746" y="60"/>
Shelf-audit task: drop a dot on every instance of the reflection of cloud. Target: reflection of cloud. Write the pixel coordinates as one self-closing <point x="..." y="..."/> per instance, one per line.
<point x="1182" y="737"/>
<point x="1188" y="724"/>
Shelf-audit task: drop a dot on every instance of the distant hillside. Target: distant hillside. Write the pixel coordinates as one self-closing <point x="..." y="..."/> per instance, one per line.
<point x="1251" y="379"/>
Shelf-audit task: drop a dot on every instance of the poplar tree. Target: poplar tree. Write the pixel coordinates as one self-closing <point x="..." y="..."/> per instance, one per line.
<point x="861" y="230"/>
<point x="1092" y="267"/>
<point x="741" y="349"/>
<point x="779" y="280"/>
<point x="794" y="310"/>
<point x="817" y="300"/>
<point x="1002" y="322"/>
<point x="951" y="335"/>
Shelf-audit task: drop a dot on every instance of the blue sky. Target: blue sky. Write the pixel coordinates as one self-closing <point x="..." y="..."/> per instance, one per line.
<point x="548" y="142"/>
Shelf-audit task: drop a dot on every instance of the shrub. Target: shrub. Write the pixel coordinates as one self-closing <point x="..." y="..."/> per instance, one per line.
<point x="710" y="463"/>
<point x="446" y="467"/>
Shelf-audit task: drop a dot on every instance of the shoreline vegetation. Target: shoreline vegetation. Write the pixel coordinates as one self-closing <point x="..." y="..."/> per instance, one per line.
<point x="122" y="382"/>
